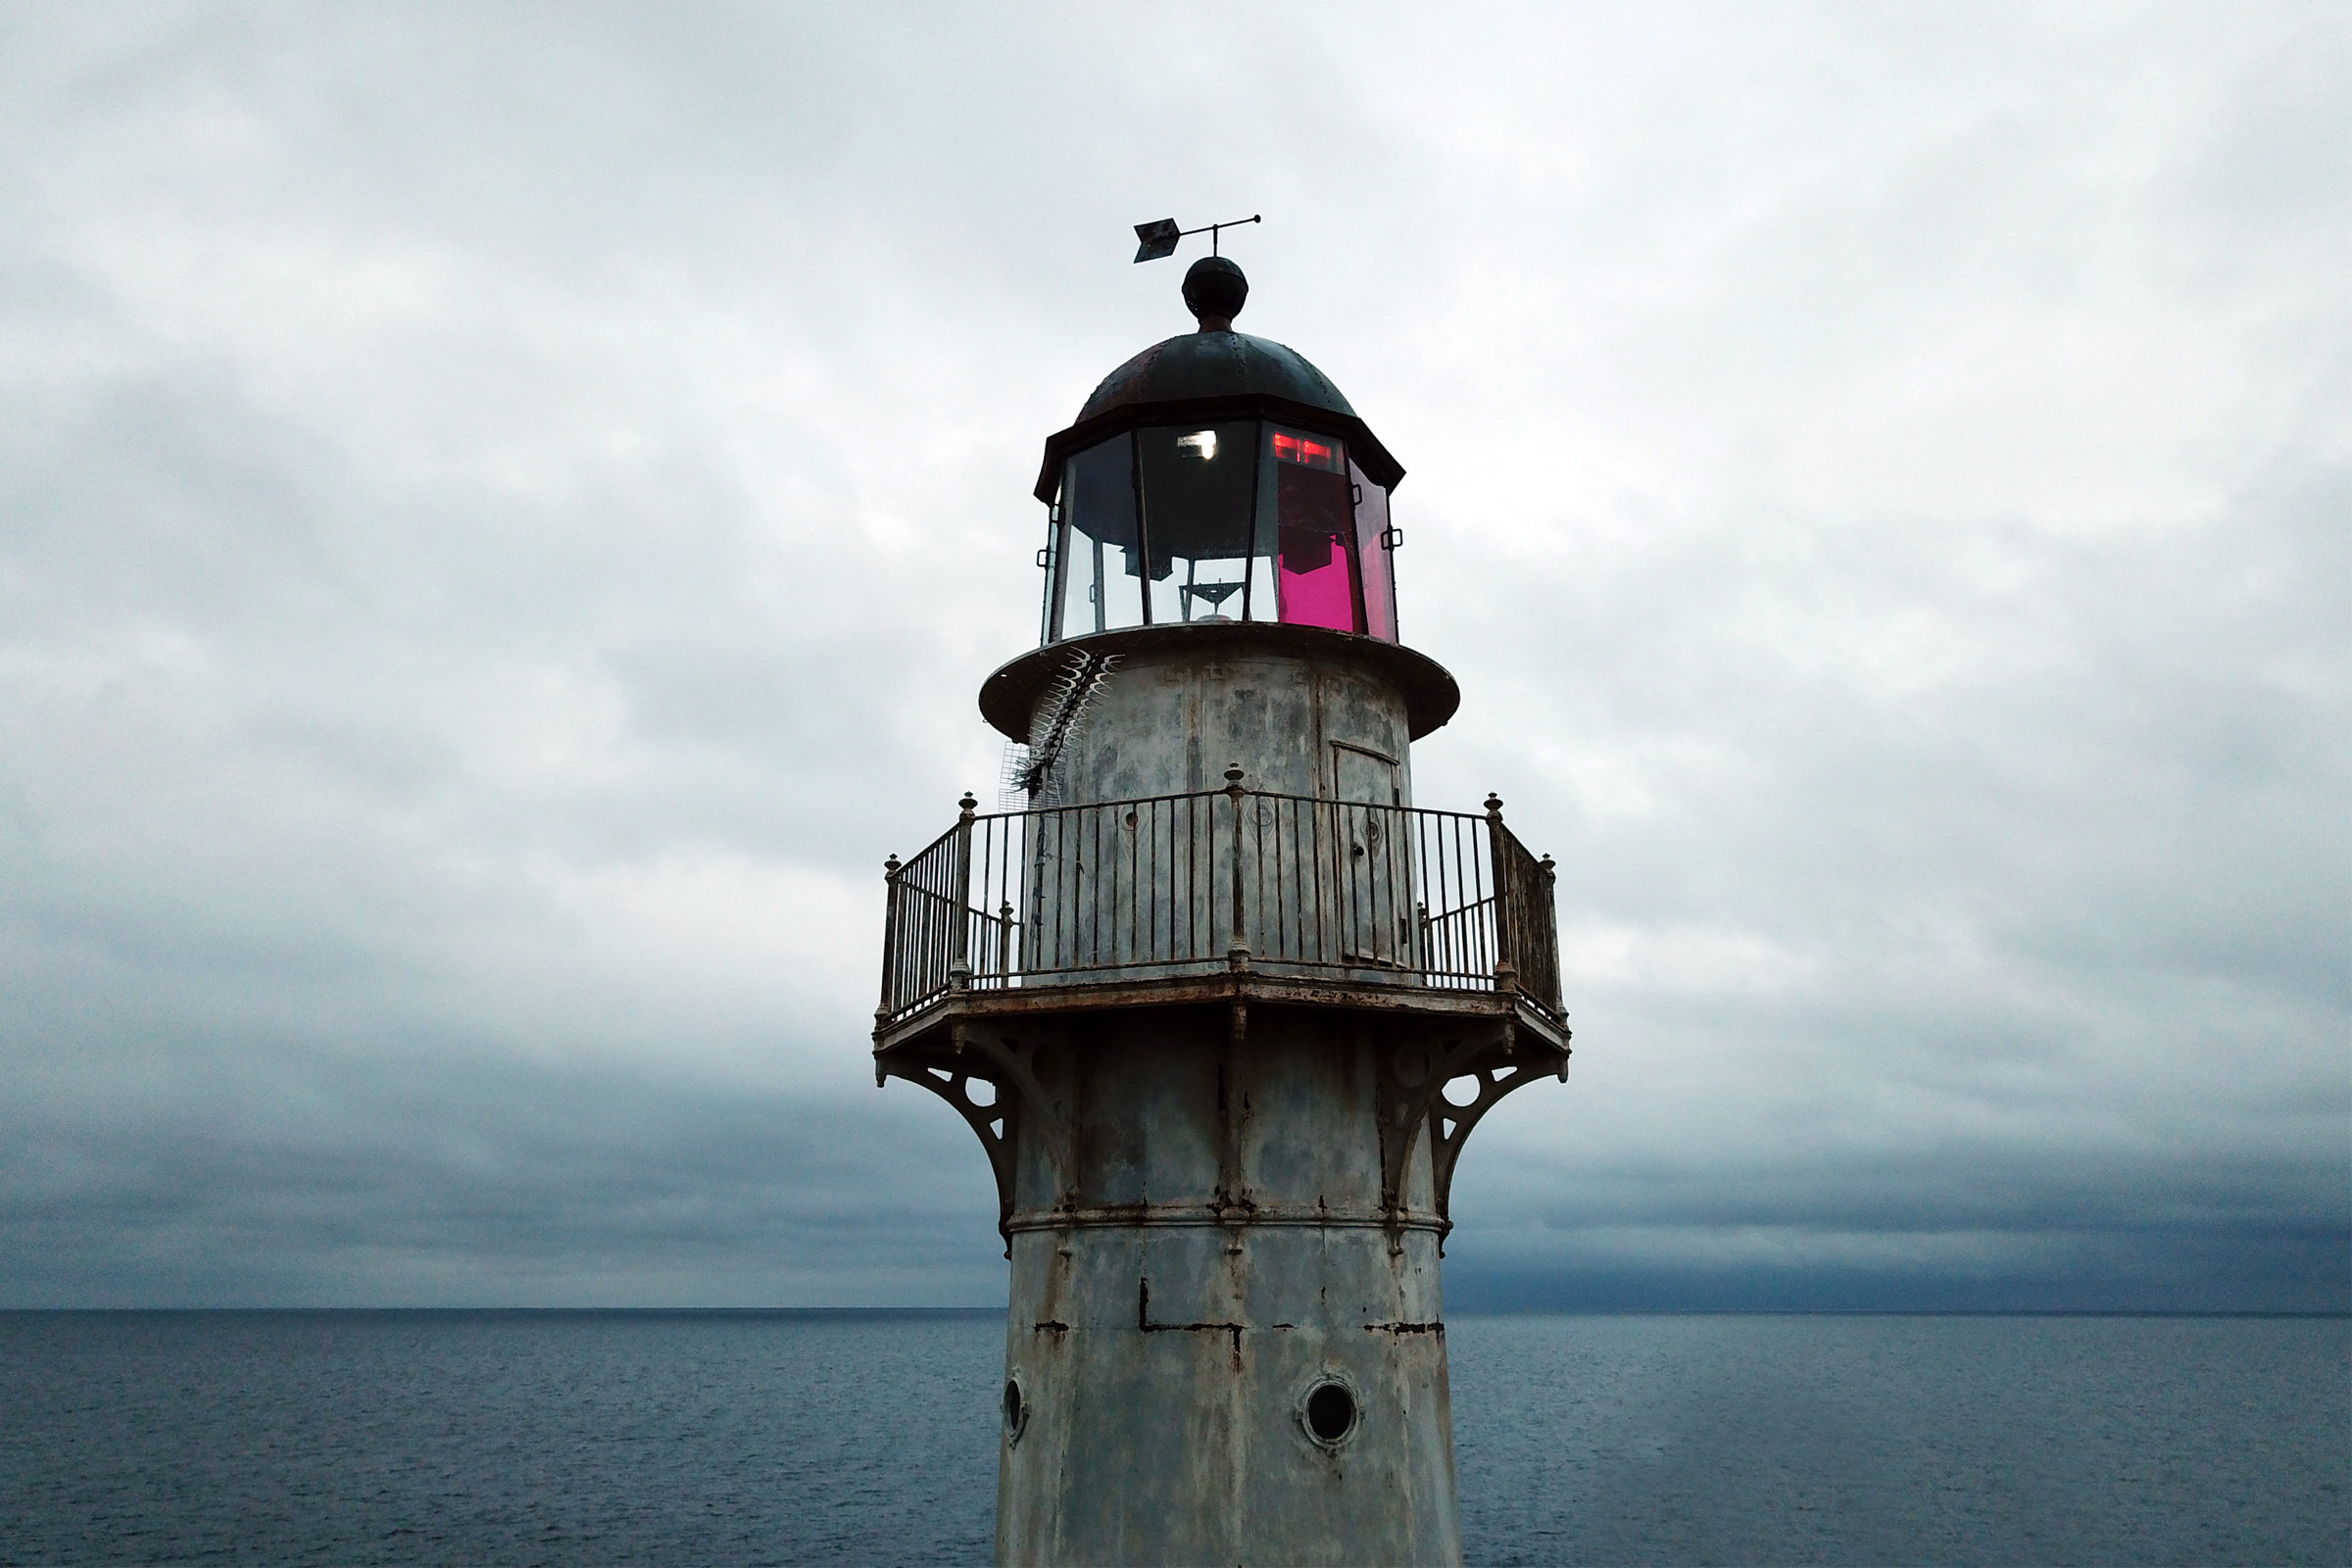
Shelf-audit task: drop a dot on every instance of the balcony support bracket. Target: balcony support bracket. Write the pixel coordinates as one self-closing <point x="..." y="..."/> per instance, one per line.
<point x="1022" y="1068"/>
<point x="1417" y="1073"/>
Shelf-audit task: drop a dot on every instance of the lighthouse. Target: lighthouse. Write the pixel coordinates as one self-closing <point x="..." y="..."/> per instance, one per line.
<point x="1221" y="1000"/>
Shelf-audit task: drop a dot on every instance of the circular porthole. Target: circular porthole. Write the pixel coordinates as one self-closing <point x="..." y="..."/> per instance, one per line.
<point x="1016" y="1410"/>
<point x="1329" y="1413"/>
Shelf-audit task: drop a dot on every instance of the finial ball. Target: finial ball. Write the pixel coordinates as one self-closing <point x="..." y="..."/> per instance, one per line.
<point x="1213" y="291"/>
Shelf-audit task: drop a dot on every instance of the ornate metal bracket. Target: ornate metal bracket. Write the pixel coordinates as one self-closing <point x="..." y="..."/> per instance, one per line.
<point x="1021" y="1072"/>
<point x="1415" y="1074"/>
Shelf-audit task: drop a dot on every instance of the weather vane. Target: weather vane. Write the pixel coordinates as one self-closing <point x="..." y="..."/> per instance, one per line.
<point x="1159" y="238"/>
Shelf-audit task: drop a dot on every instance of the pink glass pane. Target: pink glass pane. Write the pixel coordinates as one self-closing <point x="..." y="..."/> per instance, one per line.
<point x="1322" y="597"/>
<point x="1315" y="534"/>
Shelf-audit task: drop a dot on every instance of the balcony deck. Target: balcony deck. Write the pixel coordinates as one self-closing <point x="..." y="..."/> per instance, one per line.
<point x="1234" y="897"/>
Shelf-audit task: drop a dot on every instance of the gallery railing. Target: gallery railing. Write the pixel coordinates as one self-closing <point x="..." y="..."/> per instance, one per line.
<point x="1222" y="879"/>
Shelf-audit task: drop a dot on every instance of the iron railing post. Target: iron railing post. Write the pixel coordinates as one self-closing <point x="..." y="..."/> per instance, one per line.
<point x="1550" y="935"/>
<point x="1237" y="953"/>
<point x="891" y="938"/>
<point x="1506" y="926"/>
<point x="959" y="916"/>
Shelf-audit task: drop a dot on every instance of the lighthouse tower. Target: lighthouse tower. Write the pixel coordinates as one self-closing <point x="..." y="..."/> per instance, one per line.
<point x="1221" y="1003"/>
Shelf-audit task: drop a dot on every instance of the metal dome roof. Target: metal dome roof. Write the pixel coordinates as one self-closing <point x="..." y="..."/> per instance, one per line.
<point x="1217" y="373"/>
<point x="1215" y="364"/>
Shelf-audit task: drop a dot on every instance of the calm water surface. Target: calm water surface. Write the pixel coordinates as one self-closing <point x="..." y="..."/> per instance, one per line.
<point x="1904" y="1439"/>
<point x="722" y="1438"/>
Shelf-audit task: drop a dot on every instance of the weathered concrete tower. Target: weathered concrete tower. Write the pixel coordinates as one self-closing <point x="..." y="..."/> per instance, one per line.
<point x="1221" y="1001"/>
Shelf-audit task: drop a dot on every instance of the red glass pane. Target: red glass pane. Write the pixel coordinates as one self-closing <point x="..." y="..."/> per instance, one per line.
<point x="1305" y="451"/>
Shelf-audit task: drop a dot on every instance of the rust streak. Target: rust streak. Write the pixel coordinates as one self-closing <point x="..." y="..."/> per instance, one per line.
<point x="1143" y="1323"/>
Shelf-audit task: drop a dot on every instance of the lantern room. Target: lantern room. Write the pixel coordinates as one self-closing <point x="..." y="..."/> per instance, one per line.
<point x="1217" y="477"/>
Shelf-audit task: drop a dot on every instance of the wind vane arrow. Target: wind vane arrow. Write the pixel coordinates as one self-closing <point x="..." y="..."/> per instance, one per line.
<point x="1159" y="236"/>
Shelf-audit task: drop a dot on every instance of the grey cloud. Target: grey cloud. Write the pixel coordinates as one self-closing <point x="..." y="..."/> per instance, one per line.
<point x="504" y="516"/>
<point x="365" y="1181"/>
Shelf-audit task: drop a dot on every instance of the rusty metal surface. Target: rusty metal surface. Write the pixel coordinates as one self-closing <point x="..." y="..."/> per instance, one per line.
<point x="1210" y="1210"/>
<point x="1177" y="712"/>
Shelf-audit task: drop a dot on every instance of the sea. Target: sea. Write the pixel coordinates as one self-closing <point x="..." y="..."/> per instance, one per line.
<point x="753" y="1437"/>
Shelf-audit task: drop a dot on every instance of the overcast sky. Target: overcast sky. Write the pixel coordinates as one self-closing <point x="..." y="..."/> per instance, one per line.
<point x="504" y="511"/>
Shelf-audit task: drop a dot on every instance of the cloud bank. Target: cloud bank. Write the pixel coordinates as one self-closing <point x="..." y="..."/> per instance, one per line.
<point x="505" y="515"/>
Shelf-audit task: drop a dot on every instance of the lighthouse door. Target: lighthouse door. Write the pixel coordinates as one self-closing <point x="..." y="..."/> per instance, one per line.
<point x="1371" y="895"/>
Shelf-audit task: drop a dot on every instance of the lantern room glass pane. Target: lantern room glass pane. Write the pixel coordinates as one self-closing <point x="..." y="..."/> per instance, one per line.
<point x="1375" y="563"/>
<point x="1074" y="581"/>
<point x="1198" y="485"/>
<point x="1314" y="532"/>
<point x="1226" y="520"/>
<point x="1056" y="532"/>
<point x="1100" y="565"/>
